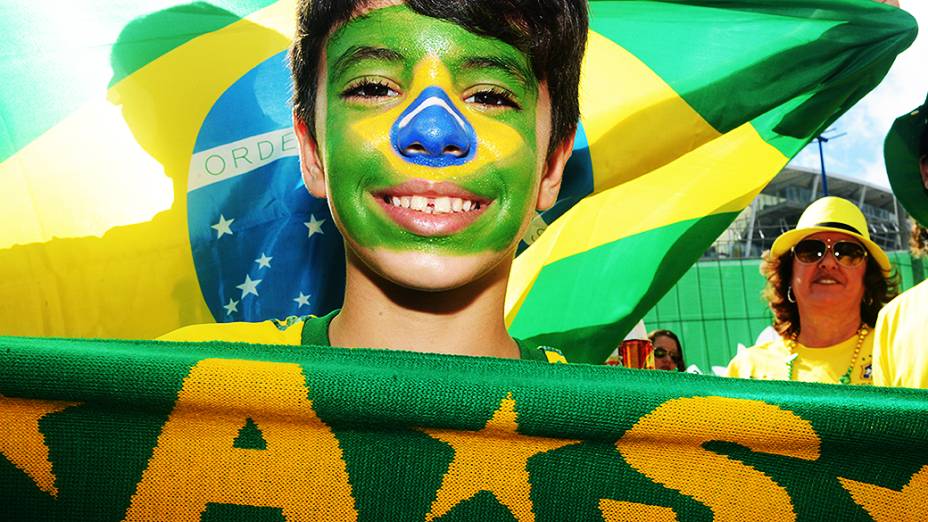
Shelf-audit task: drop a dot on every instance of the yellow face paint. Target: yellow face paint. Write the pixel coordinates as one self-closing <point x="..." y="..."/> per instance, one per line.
<point x="496" y="141"/>
<point x="432" y="115"/>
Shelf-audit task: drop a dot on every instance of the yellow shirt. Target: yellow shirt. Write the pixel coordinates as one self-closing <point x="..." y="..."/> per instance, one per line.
<point x="768" y="361"/>
<point x="266" y="332"/>
<point x="900" y="351"/>
<point x="312" y="330"/>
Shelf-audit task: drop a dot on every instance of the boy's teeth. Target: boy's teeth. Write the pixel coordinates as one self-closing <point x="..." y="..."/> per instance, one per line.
<point x="439" y="205"/>
<point x="442" y="205"/>
<point x="418" y="203"/>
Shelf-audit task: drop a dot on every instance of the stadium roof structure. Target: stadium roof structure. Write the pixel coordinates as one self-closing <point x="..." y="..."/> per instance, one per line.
<point x="778" y="207"/>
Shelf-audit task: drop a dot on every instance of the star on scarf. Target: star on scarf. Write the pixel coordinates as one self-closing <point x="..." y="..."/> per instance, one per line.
<point x="22" y="442"/>
<point x="884" y="504"/>
<point x="493" y="459"/>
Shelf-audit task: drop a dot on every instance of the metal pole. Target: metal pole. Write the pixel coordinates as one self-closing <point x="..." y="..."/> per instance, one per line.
<point x="821" y="157"/>
<point x="750" y="237"/>
<point x="902" y="224"/>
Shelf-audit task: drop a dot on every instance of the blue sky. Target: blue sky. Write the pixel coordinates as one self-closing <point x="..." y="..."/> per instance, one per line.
<point x="859" y="154"/>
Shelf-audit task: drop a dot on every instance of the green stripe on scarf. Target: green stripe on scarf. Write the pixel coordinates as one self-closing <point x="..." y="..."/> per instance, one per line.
<point x="112" y="430"/>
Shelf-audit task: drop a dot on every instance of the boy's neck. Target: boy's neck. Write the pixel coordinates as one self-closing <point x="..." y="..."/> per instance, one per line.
<point x="464" y="321"/>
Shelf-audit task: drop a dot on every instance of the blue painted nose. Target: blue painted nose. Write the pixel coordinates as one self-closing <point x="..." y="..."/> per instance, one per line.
<point x="432" y="132"/>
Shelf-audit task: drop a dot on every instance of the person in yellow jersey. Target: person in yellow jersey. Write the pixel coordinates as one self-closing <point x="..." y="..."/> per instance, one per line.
<point x="900" y="349"/>
<point x="826" y="282"/>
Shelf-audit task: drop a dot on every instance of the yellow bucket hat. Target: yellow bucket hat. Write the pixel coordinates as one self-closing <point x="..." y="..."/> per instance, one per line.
<point x="831" y="214"/>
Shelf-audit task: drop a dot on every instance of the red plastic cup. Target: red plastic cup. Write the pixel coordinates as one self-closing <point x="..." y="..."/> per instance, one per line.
<point x="637" y="353"/>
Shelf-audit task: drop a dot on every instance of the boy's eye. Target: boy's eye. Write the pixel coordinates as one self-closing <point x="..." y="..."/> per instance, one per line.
<point x="368" y="89"/>
<point x="493" y="98"/>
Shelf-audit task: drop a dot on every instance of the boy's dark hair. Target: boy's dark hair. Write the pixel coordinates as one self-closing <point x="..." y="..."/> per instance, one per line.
<point x="552" y="33"/>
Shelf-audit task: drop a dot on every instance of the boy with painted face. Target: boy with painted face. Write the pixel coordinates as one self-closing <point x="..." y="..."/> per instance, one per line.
<point x="435" y="130"/>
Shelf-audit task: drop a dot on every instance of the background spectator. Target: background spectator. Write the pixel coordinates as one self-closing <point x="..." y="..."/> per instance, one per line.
<point x="899" y="354"/>
<point x="826" y="282"/>
<point x="668" y="352"/>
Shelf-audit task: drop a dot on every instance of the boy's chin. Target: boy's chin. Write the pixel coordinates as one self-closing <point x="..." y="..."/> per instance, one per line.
<point x="430" y="272"/>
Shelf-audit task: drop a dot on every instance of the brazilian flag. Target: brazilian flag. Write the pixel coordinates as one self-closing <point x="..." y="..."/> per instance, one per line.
<point x="149" y="169"/>
<point x="149" y="174"/>
<point x="688" y="109"/>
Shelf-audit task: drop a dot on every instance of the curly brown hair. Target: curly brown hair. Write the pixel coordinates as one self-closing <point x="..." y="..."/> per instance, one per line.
<point x="918" y="241"/>
<point x="879" y="289"/>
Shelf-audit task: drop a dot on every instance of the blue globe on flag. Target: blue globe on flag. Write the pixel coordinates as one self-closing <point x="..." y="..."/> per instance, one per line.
<point x="263" y="247"/>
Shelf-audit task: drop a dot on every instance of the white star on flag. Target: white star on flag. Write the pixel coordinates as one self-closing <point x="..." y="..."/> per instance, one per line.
<point x="231" y="307"/>
<point x="264" y="261"/>
<point x="223" y="227"/>
<point x="314" y="225"/>
<point x="249" y="286"/>
<point x="301" y="300"/>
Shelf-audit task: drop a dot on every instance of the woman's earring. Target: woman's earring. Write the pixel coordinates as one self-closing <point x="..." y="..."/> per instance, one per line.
<point x="789" y="294"/>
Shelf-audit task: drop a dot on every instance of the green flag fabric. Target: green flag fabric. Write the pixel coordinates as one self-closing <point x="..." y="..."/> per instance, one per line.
<point x="121" y="430"/>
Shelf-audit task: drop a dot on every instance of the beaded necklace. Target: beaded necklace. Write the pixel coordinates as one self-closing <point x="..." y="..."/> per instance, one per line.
<point x="862" y="332"/>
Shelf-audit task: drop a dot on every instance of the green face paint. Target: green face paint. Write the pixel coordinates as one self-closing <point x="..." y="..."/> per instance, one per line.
<point x="379" y="67"/>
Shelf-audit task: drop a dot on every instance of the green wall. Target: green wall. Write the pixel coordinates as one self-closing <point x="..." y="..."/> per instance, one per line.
<point x="717" y="304"/>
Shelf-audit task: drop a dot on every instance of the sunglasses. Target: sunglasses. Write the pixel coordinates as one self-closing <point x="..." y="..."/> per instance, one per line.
<point x="847" y="253"/>
<point x="660" y="353"/>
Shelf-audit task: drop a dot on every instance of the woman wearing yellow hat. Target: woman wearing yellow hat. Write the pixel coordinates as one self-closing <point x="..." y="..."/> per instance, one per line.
<point x="826" y="283"/>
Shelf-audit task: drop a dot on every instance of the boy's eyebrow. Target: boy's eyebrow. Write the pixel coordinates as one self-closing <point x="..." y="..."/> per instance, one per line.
<point x="507" y="66"/>
<point x="356" y="54"/>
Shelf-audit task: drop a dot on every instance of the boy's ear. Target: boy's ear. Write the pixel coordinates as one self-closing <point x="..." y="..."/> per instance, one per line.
<point x="310" y="163"/>
<point x="553" y="174"/>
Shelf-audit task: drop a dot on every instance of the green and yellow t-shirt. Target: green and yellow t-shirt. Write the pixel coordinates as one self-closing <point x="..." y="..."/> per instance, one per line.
<point x="900" y="357"/>
<point x="769" y="361"/>
<point x="308" y="331"/>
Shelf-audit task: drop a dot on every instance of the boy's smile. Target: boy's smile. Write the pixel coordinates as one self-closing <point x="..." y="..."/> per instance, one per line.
<point x="431" y="208"/>
<point x="432" y="142"/>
